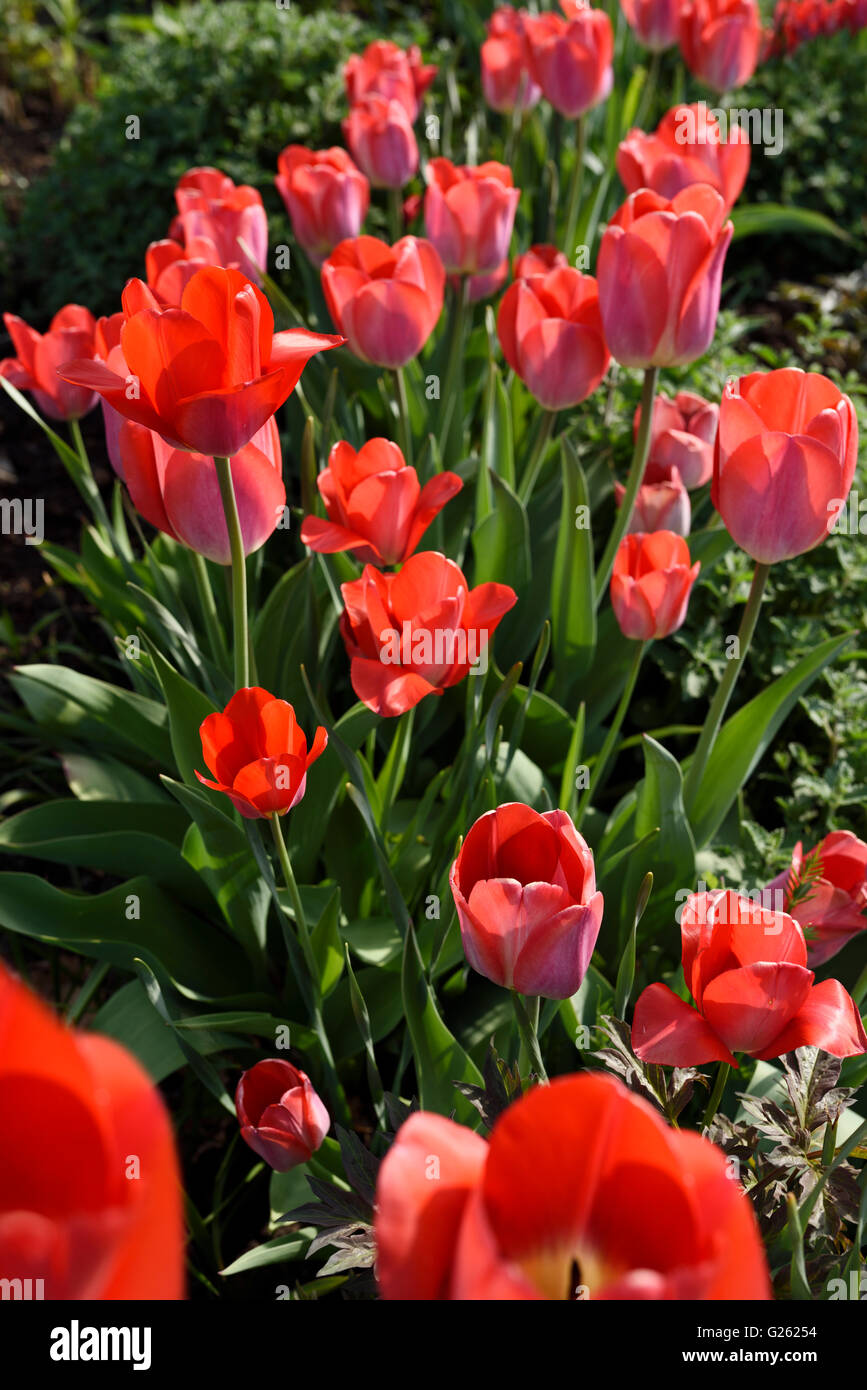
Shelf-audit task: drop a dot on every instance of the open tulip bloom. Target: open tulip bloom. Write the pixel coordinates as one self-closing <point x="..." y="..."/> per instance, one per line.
<point x="258" y="754"/>
<point x="826" y="891"/>
<point x="687" y="147"/>
<point x="35" y="369"/>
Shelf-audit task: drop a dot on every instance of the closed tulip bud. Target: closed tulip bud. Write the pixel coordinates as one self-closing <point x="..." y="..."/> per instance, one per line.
<point x="687" y="147"/>
<point x="785" y="459"/>
<point x="721" y="40"/>
<point x="524" y="887"/>
<point x="571" y="59"/>
<point x="34" y="369"/>
<point x="380" y="135"/>
<point x="651" y="583"/>
<point x="375" y="505"/>
<point x="659" y="271"/>
<point x="746" y="969"/>
<point x="386" y="70"/>
<point x="662" y="502"/>
<point x="538" y="261"/>
<point x="507" y="82"/>
<point x="213" y="208"/>
<point x="326" y="196"/>
<point x="682" y="436"/>
<point x="550" y="330"/>
<point x="469" y="214"/>
<point x="281" y="1116"/>
<point x="385" y="299"/>
<point x="825" y="890"/>
<point x="655" y="23"/>
<point x="169" y="267"/>
<point x="258" y="753"/>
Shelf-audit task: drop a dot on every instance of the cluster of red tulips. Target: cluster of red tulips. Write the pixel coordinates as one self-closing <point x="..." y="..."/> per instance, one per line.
<point x="615" y="1203"/>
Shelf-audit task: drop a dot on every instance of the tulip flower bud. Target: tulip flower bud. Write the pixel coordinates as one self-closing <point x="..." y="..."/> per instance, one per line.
<point x="34" y="369"/>
<point x="386" y="299"/>
<point x="326" y="196"/>
<point x="469" y="214"/>
<point x="380" y="135"/>
<point x="550" y="330"/>
<point x="720" y="41"/>
<point x="281" y="1116"/>
<point x="651" y="583"/>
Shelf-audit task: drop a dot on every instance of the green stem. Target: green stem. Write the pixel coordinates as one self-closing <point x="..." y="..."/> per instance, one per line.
<point x="537" y="458"/>
<point x="86" y="993"/>
<point x="597" y="781"/>
<point x="451" y="390"/>
<point x="207" y="603"/>
<point x="719" y="704"/>
<point x="575" y="190"/>
<point x="529" y="1037"/>
<point x="633" y="482"/>
<point x="395" y="214"/>
<point x="717" y="1093"/>
<point x="239" y="573"/>
<point x="648" y="91"/>
<point x="403" y="407"/>
<point x="86" y="485"/>
<point x="516" y="124"/>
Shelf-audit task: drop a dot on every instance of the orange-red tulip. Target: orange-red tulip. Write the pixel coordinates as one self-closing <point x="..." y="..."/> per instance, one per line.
<point x="746" y="968"/>
<point x="538" y="261"/>
<point x="832" y="902"/>
<point x="660" y="270"/>
<point x="169" y="267"/>
<point x="386" y="299"/>
<point x="651" y="583"/>
<point x="258" y="754"/>
<point x="415" y="633"/>
<point x="785" y="459"/>
<point x="686" y="148"/>
<point x="380" y="135"/>
<point x="507" y="81"/>
<point x="682" y="435"/>
<point x="90" y="1191"/>
<point x="662" y="501"/>
<point x="721" y="40"/>
<point x="524" y="886"/>
<point x="550" y="330"/>
<point x="469" y="214"/>
<point x="582" y="1192"/>
<point x="280" y="1113"/>
<point x="374" y="503"/>
<point x="385" y="70"/>
<point x="326" y="196"/>
<point x="211" y="208"/>
<point x="570" y="59"/>
<point x="206" y="376"/>
<point x="71" y="334"/>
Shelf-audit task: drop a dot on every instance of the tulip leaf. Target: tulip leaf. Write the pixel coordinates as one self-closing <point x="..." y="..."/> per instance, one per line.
<point x="752" y="219"/>
<point x="498" y="446"/>
<point x="501" y="539"/>
<point x="325" y="782"/>
<point x="327" y="944"/>
<point x="573" y="596"/>
<point x="670" y="855"/>
<point x="743" y="739"/>
<point x="107" y="779"/>
<point x="69" y="704"/>
<point x="130" y="1018"/>
<point x="187" y="708"/>
<point x="284" y="633"/>
<point x="439" y="1058"/>
<point x="280" y="1250"/>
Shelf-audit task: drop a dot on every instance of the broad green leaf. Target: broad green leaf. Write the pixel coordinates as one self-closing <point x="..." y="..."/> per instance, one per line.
<point x="187" y="708"/>
<point x="439" y="1058"/>
<point x="756" y="219"/>
<point x="501" y="539"/>
<point x="573" y="596"/>
<point x="670" y="855"/>
<point x="327" y="944"/>
<point x="274" y="1252"/>
<point x="102" y="715"/>
<point x="106" y="779"/>
<point x="284" y="633"/>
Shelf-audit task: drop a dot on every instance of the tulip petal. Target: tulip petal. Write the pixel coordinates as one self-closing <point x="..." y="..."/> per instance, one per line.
<point x="827" y="1019"/>
<point x="666" y="1030"/>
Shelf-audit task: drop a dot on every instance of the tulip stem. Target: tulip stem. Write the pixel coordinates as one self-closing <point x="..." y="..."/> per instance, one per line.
<point x="716" y="1096"/>
<point x="529" y="1036"/>
<point x="648" y="91"/>
<point x="452" y="391"/>
<point x="537" y="457"/>
<point x="597" y="781"/>
<point x="719" y="704"/>
<point x="207" y="603"/>
<point x="395" y="214"/>
<point x="403" y="408"/>
<point x="633" y="482"/>
<point x="575" y="191"/>
<point x="86" y="485"/>
<point x="239" y="573"/>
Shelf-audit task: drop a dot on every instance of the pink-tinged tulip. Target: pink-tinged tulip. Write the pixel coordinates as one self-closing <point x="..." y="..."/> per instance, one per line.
<point x="415" y="633"/>
<point x="169" y="267"/>
<point x="507" y="81"/>
<point x="785" y="459"/>
<point x="571" y="59"/>
<point x="258" y="753"/>
<point x="662" y="501"/>
<point x="746" y="969"/>
<point x="178" y="492"/>
<point x="39" y="355"/>
<point x="582" y="1192"/>
<point x="682" y="436"/>
<point x="538" y="261"/>
<point x="655" y="23"/>
<point x="385" y="299"/>
<point x="826" y="891"/>
<point x="207" y="376"/>
<point x="720" y="41"/>
<point x="374" y="503"/>
<point x="107" y="349"/>
<point x="550" y="330"/>
<point x="326" y="196"/>
<point x="651" y="583"/>
<point x="213" y="208"/>
<point x="380" y="135"/>
<point x="686" y="148"/>
<point x="281" y="1116"/>
<point x="385" y="70"/>
<point x="524" y="886"/>
<point x="469" y="214"/>
<point x="660" y="271"/>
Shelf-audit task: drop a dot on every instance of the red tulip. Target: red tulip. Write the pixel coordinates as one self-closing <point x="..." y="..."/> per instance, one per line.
<point x="654" y="22"/>
<point x="258" y="754"/>
<point x="651" y="583"/>
<point x="550" y="330"/>
<point x="71" y="334"/>
<point x="682" y="435"/>
<point x="785" y="459"/>
<point x="524" y="887"/>
<point x="412" y="634"/>
<point x="582" y="1192"/>
<point x="477" y="287"/>
<point x="662" y="501"/>
<point x="538" y="261"/>
<point x="107" y="349"/>
<point x="386" y="299"/>
<point x="178" y="491"/>
<point x="281" y="1116"/>
<point x="381" y="138"/>
<point x="746" y="969"/>
<point x="213" y="208"/>
<point x="659" y="270"/>
<point x="686" y="148"/>
<point x="374" y="503"/>
<point x="169" y="267"/>
<point x="571" y="59"/>
<point x="469" y="214"/>
<point x="832" y="900"/>
<point x="208" y="376"/>
<point x="326" y="196"/>
<point x="90" y="1183"/>
<point x="507" y="81"/>
<point x="385" y="70"/>
<point x="720" y="41"/>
